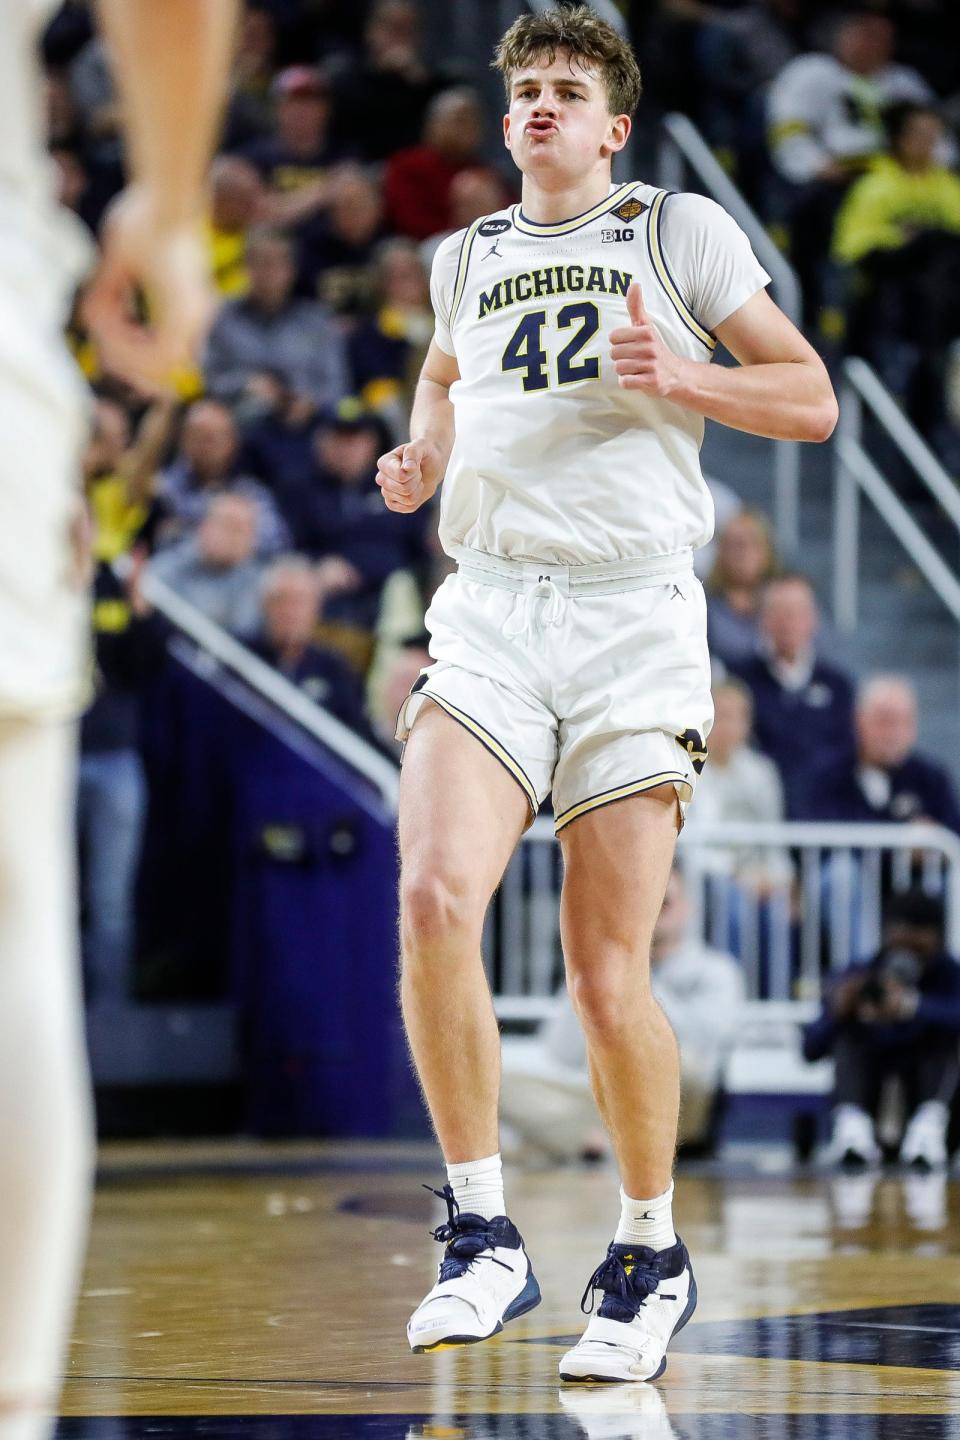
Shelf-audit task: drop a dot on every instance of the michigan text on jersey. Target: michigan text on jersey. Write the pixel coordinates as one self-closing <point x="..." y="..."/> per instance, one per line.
<point x="554" y="280"/>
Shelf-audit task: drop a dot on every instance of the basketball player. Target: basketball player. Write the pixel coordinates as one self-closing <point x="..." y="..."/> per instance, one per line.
<point x="171" y="57"/>
<point x="563" y="400"/>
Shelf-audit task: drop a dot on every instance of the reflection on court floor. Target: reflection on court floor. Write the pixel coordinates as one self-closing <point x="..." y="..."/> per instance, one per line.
<point x="260" y="1294"/>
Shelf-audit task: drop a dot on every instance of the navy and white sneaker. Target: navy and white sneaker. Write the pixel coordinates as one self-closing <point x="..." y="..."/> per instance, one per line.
<point x="484" y="1280"/>
<point x="648" y="1295"/>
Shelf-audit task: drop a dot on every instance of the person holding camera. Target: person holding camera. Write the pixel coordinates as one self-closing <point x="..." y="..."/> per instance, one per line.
<point x="898" y="1015"/>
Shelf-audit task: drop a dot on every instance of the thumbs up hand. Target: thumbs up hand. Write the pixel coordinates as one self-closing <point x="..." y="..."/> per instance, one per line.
<point x="635" y="306"/>
<point x="641" y="359"/>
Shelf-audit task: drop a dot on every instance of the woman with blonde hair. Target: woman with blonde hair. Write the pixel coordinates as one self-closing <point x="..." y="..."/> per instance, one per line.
<point x="746" y="560"/>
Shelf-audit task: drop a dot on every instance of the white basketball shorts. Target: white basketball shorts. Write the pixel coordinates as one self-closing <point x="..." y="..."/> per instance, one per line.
<point x="591" y="681"/>
<point x="44" y="610"/>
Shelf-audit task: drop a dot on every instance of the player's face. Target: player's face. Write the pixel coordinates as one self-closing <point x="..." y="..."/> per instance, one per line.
<point x="559" y="123"/>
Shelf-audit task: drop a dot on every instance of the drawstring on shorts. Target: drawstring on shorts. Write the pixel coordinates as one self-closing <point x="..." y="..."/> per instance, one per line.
<point x="529" y="614"/>
<point x="542" y="587"/>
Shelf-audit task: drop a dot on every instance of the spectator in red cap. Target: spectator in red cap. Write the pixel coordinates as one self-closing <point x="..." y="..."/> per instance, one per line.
<point x="295" y="159"/>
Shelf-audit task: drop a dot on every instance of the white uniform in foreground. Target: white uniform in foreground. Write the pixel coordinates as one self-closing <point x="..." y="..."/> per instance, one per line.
<point x="46" y="1146"/>
<point x="44" y="626"/>
<point x="572" y="641"/>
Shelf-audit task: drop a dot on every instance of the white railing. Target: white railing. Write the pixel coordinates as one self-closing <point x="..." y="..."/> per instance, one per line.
<point x="819" y="911"/>
<point x="220" y="648"/>
<point x="681" y="147"/>
<point x="856" y="473"/>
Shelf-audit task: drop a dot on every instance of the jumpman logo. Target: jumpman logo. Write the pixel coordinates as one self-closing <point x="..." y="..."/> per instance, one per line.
<point x="493" y="250"/>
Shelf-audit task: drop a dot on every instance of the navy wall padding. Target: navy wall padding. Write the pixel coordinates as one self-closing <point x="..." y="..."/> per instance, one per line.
<point x="315" y="940"/>
<point x="270" y="873"/>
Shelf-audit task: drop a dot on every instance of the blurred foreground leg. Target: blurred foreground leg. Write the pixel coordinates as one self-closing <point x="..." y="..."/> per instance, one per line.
<point x="46" y="1136"/>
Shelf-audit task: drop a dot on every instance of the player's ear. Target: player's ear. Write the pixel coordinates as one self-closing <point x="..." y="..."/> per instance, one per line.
<point x="618" y="133"/>
<point x="506" y="130"/>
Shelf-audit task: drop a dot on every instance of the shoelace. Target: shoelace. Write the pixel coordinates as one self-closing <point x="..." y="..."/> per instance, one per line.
<point x="521" y="618"/>
<point x="465" y="1243"/>
<point x="631" y="1289"/>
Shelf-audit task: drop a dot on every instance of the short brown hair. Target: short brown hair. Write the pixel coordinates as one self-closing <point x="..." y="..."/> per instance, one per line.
<point x="585" y="37"/>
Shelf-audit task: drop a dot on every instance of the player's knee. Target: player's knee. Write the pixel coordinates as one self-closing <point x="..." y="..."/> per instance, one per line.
<point x="435" y="911"/>
<point x="608" y="997"/>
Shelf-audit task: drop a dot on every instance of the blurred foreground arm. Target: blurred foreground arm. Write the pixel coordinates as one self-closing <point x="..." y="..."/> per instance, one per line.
<point x="172" y="59"/>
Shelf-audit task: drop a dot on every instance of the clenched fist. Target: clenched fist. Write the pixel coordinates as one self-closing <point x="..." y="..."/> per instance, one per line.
<point x="641" y="359"/>
<point x="409" y="474"/>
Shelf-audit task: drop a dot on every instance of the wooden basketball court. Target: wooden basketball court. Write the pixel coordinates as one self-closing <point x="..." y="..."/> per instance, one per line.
<point x="249" y="1291"/>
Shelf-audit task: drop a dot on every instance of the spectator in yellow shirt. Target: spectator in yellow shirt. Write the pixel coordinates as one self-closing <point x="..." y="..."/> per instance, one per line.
<point x="119" y="469"/>
<point x="237" y="198"/>
<point x="899" y="230"/>
<point x="905" y="194"/>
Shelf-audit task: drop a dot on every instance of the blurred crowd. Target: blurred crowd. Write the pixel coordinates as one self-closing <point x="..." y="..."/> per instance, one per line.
<point x="839" y="122"/>
<point x="346" y="157"/>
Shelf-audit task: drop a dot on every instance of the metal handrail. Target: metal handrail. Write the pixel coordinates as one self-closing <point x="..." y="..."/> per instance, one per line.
<point x="857" y="472"/>
<point x="693" y="147"/>
<point x="681" y="141"/>
<point x="862" y="473"/>
<point x="281" y="692"/>
<point x="908" y="440"/>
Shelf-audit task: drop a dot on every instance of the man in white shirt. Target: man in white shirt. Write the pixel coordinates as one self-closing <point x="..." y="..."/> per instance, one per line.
<point x="564" y="397"/>
<point x="826" y="110"/>
<point x="825" y="122"/>
<point x="172" y="60"/>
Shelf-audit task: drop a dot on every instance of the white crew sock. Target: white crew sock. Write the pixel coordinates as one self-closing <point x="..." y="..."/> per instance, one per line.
<point x="646" y="1222"/>
<point x="478" y="1186"/>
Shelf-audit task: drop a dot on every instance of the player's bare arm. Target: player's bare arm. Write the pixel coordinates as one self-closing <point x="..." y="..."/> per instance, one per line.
<point x="172" y="64"/>
<point x="780" y="389"/>
<point x="409" y="474"/>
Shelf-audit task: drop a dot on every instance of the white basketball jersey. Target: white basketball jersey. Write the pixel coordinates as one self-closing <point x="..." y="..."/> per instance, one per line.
<point x="553" y="460"/>
<point x="43" y="248"/>
<point x="44" y="620"/>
